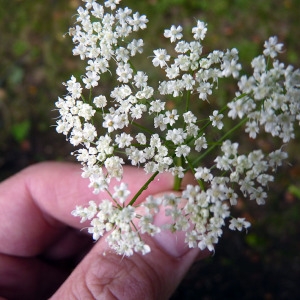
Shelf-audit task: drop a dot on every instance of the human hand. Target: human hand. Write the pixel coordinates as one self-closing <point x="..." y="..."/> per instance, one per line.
<point x="41" y="246"/>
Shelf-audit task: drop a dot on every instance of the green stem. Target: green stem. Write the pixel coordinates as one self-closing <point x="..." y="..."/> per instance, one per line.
<point x="177" y="183"/>
<point x="212" y="147"/>
<point x="188" y="98"/>
<point x="143" y="188"/>
<point x="142" y="127"/>
<point x="177" y="180"/>
<point x="132" y="66"/>
<point x="200" y="182"/>
<point x="90" y="96"/>
<point x="109" y="193"/>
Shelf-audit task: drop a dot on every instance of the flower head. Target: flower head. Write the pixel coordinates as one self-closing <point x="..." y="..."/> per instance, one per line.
<point x="175" y="126"/>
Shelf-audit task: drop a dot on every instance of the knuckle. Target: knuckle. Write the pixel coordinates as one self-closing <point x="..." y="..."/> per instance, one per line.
<point x="125" y="278"/>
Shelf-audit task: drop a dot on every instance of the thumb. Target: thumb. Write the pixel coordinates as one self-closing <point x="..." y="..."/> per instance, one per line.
<point x="102" y="274"/>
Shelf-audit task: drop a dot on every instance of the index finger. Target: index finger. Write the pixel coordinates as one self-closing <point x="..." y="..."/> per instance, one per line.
<point x="36" y="203"/>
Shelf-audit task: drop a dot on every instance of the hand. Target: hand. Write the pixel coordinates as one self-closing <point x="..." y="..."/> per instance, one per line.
<point x="43" y="252"/>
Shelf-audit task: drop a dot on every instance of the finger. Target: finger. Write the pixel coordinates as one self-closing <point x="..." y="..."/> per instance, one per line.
<point x="66" y="188"/>
<point x="102" y="274"/>
<point x="36" y="204"/>
<point x="26" y="229"/>
<point x="21" y="276"/>
<point x="38" y="277"/>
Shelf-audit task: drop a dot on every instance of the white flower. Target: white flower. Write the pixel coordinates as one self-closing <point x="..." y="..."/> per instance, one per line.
<point x="159" y="122"/>
<point x="239" y="224"/>
<point x="171" y="117"/>
<point x="272" y="47"/>
<point x="252" y="128"/>
<point x="188" y="82"/>
<point x="135" y="46"/>
<point x="121" y="92"/>
<point x="97" y="229"/>
<point x="114" y="167"/>
<point x="177" y="136"/>
<point x="229" y="149"/>
<point x="86" y="213"/>
<point x="100" y="101"/>
<point x="156" y="106"/>
<point x="182" y="150"/>
<point x="74" y="87"/>
<point x="141" y="138"/>
<point x="199" y="31"/>
<point x="259" y="195"/>
<point x="86" y="111"/>
<point x="124" y="72"/>
<point x="89" y="3"/>
<point x="189" y="117"/>
<point x="89" y="132"/>
<point x="230" y="65"/>
<point x="98" y="9"/>
<point x="203" y="173"/>
<point x="207" y="241"/>
<point x="177" y="171"/>
<point x="137" y="22"/>
<point x="200" y="143"/>
<point x="145" y="93"/>
<point x="136" y="111"/>
<point x="204" y="89"/>
<point x="135" y="155"/>
<point x="121" y="192"/>
<point x="231" y="196"/>
<point x="122" y="54"/>
<point x="173" y="33"/>
<point x="182" y="47"/>
<point x="112" y="3"/>
<point x="123" y="140"/>
<point x="140" y="79"/>
<point x="241" y="107"/>
<point x="183" y="62"/>
<point x="172" y="71"/>
<point x="161" y="58"/>
<point x="216" y="119"/>
<point x="111" y="122"/>
<point x="191" y="238"/>
<point x="276" y="157"/>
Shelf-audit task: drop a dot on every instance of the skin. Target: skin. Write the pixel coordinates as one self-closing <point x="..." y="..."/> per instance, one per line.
<point x="44" y="254"/>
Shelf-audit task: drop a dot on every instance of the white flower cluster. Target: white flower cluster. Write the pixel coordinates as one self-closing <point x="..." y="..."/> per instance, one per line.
<point x="177" y="142"/>
<point x="270" y="97"/>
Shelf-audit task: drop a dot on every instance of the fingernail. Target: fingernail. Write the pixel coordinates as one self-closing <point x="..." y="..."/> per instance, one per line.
<point x="170" y="242"/>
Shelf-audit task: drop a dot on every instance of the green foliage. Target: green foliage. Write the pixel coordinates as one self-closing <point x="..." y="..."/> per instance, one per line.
<point x="294" y="190"/>
<point x="20" y="131"/>
<point x="255" y="241"/>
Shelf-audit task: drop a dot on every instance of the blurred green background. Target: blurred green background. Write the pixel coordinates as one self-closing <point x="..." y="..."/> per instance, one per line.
<point x="36" y="57"/>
